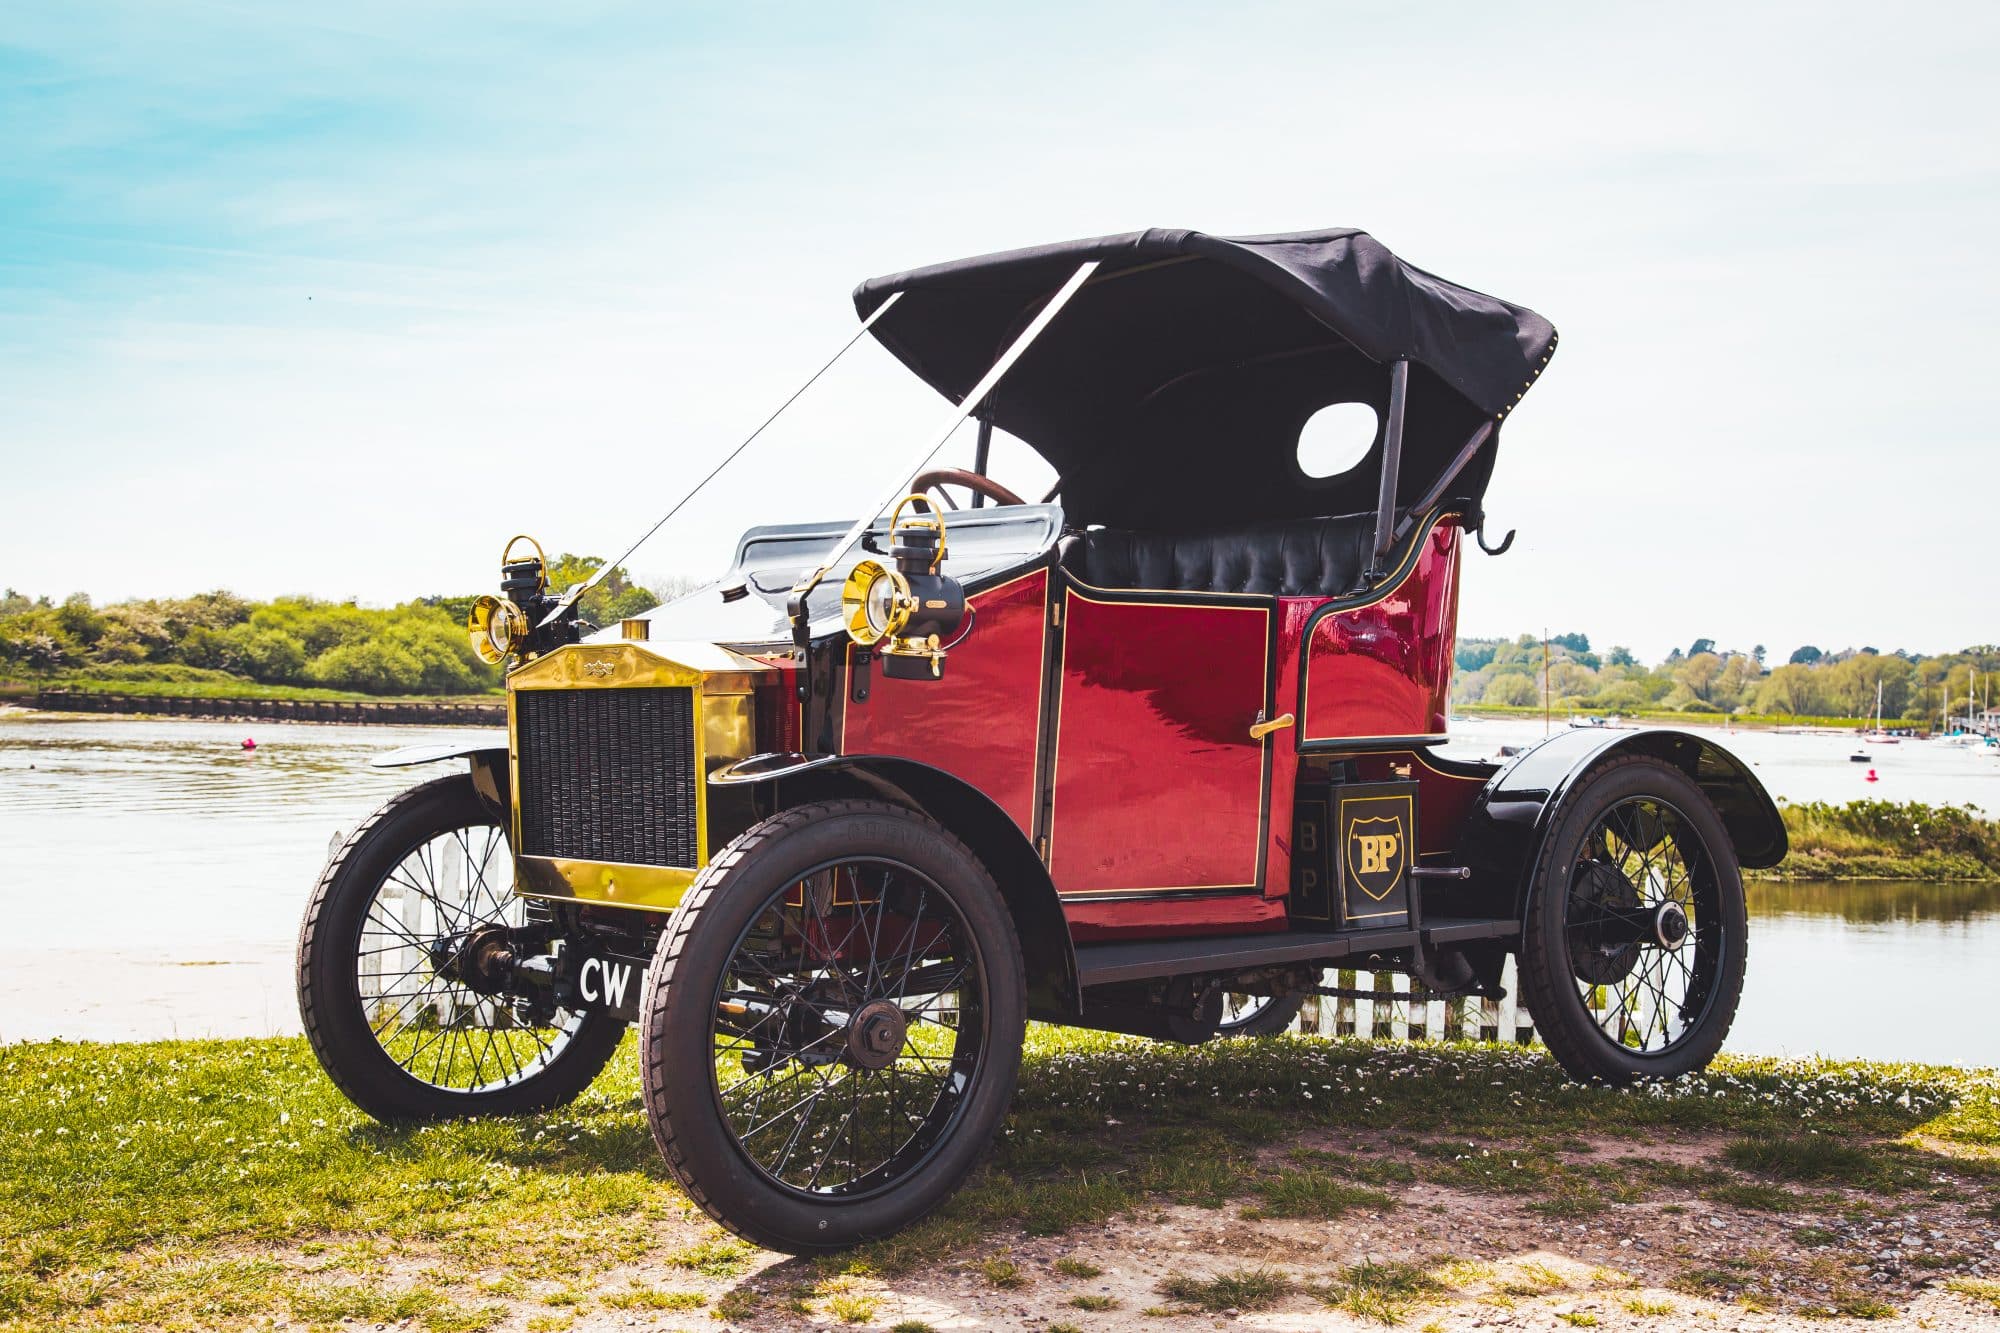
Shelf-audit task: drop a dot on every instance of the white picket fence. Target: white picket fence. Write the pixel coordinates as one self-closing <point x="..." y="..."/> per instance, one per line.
<point x="1416" y="1019"/>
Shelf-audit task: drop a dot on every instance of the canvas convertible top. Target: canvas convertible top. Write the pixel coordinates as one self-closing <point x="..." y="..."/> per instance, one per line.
<point x="1173" y="386"/>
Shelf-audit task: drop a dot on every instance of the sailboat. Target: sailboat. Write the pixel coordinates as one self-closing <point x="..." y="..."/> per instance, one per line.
<point x="1879" y="736"/>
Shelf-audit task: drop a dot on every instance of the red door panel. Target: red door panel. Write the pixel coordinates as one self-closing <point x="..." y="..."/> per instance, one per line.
<point x="980" y="722"/>
<point x="1157" y="783"/>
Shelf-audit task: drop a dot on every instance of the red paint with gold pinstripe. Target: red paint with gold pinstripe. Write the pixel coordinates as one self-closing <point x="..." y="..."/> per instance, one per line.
<point x="982" y="721"/>
<point x="1385" y="669"/>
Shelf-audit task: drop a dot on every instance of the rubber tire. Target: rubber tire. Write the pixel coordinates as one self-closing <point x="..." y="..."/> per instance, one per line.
<point x="330" y="1000"/>
<point x="1276" y="1016"/>
<point x="1546" y="981"/>
<point x="676" y="1044"/>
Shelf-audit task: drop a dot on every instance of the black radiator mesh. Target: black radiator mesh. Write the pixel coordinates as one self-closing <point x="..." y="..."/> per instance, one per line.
<point x="608" y="774"/>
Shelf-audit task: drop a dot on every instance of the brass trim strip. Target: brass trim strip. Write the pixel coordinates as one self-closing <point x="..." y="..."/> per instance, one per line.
<point x="610" y="883"/>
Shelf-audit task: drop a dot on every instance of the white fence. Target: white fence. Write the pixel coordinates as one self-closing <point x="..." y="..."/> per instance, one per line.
<point x="1419" y="1017"/>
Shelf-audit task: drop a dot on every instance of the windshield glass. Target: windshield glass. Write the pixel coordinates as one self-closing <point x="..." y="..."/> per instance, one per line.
<point x="771" y="559"/>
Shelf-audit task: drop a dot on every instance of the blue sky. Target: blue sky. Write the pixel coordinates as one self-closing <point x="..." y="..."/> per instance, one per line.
<point x="335" y="298"/>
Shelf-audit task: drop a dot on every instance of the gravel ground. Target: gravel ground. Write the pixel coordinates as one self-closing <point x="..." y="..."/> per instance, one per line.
<point x="1674" y="1261"/>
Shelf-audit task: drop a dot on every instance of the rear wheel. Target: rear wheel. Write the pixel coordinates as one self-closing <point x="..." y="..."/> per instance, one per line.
<point x="394" y="999"/>
<point x="1258" y="1015"/>
<point x="1636" y="937"/>
<point x="833" y="1025"/>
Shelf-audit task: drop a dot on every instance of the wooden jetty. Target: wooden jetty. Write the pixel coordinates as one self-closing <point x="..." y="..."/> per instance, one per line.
<point x="490" y="712"/>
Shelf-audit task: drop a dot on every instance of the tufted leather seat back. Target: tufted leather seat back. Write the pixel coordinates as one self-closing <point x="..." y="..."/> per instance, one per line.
<point x="1313" y="557"/>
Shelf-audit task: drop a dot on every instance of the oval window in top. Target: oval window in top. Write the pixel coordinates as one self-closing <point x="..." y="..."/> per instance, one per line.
<point x="1336" y="438"/>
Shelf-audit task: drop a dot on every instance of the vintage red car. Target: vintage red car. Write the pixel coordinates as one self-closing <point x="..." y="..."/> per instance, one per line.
<point x="1150" y="755"/>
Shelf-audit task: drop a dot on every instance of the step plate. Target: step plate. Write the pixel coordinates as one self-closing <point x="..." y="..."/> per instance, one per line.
<point x="1144" y="960"/>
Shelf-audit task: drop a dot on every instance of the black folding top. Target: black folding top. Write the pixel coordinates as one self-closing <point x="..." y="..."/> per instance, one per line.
<point x="1172" y="388"/>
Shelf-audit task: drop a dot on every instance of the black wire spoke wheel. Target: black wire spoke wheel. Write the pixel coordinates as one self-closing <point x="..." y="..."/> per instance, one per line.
<point x="848" y="1028"/>
<point x="404" y="970"/>
<point x="1246" y="1015"/>
<point x="1634" y="956"/>
<point x="832" y="1025"/>
<point x="421" y="962"/>
<point x="1643" y="928"/>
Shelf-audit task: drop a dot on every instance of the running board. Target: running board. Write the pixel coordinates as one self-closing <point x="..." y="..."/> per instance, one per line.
<point x="1145" y="960"/>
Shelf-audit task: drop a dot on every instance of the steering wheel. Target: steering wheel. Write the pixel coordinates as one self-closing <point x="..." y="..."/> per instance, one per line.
<point x="939" y="477"/>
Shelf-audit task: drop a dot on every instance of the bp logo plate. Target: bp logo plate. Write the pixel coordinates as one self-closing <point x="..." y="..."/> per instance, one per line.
<point x="1375" y="850"/>
<point x="1378" y="825"/>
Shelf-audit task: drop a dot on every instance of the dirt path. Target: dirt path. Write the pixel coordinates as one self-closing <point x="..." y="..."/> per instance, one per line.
<point x="1431" y="1257"/>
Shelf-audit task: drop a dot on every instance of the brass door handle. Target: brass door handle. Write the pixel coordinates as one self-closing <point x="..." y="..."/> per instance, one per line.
<point x="1260" y="728"/>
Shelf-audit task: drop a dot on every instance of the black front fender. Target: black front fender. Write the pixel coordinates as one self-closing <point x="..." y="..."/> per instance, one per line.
<point x="1522" y="802"/>
<point x="484" y="751"/>
<point x="971" y="816"/>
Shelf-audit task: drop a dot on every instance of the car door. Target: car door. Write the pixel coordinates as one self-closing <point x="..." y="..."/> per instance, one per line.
<point x="1156" y="785"/>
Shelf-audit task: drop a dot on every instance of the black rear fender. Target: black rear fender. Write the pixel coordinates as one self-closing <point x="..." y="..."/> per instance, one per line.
<point x="1503" y="837"/>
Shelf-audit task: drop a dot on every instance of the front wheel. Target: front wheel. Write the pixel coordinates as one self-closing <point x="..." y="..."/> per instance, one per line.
<point x="395" y="1001"/>
<point x="1636" y="937"/>
<point x="832" y="1025"/>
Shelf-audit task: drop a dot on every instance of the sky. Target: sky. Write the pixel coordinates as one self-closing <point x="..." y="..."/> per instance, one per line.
<point x="334" y="299"/>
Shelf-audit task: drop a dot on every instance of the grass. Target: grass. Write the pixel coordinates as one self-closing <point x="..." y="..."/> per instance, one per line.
<point x="1976" y="1289"/>
<point x="1813" y="1158"/>
<point x="1888" y="840"/>
<point x="219" y="1184"/>
<point x="1316" y="1193"/>
<point x="1002" y="1273"/>
<point x="1245" y="1289"/>
<point x="1382" y="1292"/>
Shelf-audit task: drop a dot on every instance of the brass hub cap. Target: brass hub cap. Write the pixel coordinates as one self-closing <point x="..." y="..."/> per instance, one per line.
<point x="875" y="1034"/>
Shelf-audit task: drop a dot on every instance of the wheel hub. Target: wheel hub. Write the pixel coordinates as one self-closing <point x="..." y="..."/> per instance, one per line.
<point x="1601" y="953"/>
<point x="876" y="1033"/>
<point x="1670" y="925"/>
<point x="482" y="962"/>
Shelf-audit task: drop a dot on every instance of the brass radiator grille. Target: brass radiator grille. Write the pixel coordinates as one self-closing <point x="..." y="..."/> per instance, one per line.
<point x="608" y="775"/>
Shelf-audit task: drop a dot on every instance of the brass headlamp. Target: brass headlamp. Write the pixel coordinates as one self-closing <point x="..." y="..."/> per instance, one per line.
<point x="497" y="626"/>
<point x="904" y="611"/>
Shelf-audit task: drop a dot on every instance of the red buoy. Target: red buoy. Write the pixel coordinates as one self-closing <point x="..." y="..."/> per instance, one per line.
<point x="249" y="744"/>
<point x="1871" y="777"/>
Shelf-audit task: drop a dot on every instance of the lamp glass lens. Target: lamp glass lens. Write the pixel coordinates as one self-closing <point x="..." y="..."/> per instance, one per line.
<point x="880" y="603"/>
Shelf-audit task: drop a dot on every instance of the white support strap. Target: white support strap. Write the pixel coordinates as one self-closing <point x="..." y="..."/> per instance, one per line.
<point x="965" y="409"/>
<point x="569" y="598"/>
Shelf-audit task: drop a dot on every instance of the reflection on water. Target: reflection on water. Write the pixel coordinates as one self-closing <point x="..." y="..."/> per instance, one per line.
<point x="1874" y="901"/>
<point x="1873" y="969"/>
<point x="154" y="873"/>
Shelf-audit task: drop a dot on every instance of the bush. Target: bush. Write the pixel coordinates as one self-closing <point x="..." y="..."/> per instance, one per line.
<point x="1512" y="691"/>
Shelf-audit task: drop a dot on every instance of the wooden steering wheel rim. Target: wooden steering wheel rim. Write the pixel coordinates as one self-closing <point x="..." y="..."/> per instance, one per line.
<point x="972" y="481"/>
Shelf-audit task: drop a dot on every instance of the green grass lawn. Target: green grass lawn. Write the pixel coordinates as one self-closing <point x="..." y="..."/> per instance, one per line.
<point x="219" y="1184"/>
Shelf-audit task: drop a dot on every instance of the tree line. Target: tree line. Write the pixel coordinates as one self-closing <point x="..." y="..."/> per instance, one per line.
<point x="1916" y="690"/>
<point x="417" y="647"/>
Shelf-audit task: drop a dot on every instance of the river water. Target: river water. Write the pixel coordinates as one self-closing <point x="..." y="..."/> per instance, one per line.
<point x="152" y="875"/>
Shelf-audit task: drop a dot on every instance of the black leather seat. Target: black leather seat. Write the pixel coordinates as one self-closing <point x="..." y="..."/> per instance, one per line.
<point x="1311" y="557"/>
